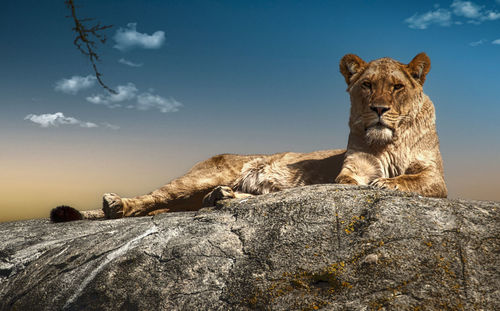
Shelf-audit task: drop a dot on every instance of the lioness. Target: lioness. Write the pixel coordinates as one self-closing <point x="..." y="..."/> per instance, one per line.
<point x="392" y="144"/>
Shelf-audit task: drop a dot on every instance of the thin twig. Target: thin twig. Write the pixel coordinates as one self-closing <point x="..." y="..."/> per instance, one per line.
<point x="85" y="44"/>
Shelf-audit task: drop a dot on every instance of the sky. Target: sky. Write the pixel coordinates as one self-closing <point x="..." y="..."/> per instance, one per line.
<point x="200" y="78"/>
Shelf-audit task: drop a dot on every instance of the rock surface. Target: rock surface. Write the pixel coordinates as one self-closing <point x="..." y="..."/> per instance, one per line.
<point x="325" y="246"/>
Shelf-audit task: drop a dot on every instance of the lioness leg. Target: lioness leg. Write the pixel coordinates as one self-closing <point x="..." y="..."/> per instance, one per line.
<point x="427" y="183"/>
<point x="222" y="193"/>
<point x="364" y="169"/>
<point x="182" y="194"/>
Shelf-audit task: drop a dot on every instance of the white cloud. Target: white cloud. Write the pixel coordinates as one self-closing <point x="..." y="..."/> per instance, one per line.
<point x="75" y="84"/>
<point x="473" y="11"/>
<point x="440" y="16"/>
<point x="468" y="10"/>
<point x="110" y="126"/>
<point x="129" y="63"/>
<point x="497" y="41"/>
<point x="490" y="16"/>
<point x="124" y="93"/>
<point x="146" y="101"/>
<point x="476" y="43"/>
<point x="127" y="38"/>
<point x="56" y="119"/>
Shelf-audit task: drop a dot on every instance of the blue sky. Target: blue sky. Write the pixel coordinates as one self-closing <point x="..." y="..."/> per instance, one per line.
<point x="197" y="78"/>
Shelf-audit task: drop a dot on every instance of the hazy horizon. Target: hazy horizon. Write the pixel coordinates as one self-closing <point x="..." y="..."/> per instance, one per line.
<point x="200" y="78"/>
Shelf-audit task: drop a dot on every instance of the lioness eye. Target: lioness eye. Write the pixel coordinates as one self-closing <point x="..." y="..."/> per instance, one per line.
<point x="367" y="84"/>
<point x="398" y="86"/>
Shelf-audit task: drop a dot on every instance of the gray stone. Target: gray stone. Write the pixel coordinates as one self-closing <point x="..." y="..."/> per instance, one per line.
<point x="329" y="247"/>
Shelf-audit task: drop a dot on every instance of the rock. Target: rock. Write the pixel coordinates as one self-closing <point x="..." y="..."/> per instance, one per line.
<point x="325" y="246"/>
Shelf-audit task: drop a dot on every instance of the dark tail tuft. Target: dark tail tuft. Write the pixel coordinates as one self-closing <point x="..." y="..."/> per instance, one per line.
<point x="65" y="213"/>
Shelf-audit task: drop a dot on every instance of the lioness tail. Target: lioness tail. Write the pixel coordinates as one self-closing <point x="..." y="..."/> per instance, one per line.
<point x="65" y="213"/>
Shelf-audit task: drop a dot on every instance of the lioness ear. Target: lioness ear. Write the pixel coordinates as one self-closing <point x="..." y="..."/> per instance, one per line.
<point x="351" y="64"/>
<point x="419" y="67"/>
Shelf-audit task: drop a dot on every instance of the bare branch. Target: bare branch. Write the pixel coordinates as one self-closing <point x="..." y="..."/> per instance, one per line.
<point x="84" y="40"/>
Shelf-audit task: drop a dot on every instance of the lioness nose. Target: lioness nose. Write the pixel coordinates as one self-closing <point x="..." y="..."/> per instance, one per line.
<point x="380" y="110"/>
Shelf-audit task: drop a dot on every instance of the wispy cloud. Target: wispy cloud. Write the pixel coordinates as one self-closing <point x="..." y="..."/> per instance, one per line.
<point x="124" y="93"/>
<point x="56" y="119"/>
<point x="469" y="11"/>
<point x="110" y="126"/>
<point x="128" y="38"/>
<point x="473" y="11"/>
<point x="466" y="9"/>
<point x="143" y="101"/>
<point x="75" y="84"/>
<point x="146" y="101"/>
<point x="441" y="17"/>
<point x="129" y="63"/>
<point x="497" y="41"/>
<point x="491" y="16"/>
<point x="476" y="43"/>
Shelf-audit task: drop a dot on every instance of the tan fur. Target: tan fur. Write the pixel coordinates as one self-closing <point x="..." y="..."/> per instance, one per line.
<point x="398" y="149"/>
<point x="392" y="144"/>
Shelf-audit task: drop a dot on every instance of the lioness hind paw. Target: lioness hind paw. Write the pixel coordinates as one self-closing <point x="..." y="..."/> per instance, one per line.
<point x="112" y="205"/>
<point x="219" y="193"/>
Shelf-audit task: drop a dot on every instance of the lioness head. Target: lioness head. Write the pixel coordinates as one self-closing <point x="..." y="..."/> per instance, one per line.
<point x="385" y="94"/>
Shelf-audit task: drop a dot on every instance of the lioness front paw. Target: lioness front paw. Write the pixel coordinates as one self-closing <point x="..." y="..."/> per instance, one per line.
<point x="112" y="205"/>
<point x="219" y="193"/>
<point x="385" y="183"/>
